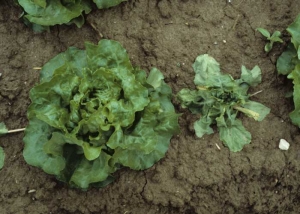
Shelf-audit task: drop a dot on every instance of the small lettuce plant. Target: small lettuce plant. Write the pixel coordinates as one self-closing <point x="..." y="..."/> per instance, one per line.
<point x="219" y="98"/>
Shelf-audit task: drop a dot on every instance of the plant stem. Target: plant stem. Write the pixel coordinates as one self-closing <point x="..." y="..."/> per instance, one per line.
<point x="248" y="112"/>
<point x="255" y="93"/>
<point x="16" y="130"/>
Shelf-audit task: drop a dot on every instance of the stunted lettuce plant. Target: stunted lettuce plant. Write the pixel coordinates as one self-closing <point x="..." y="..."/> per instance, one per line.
<point x="218" y="99"/>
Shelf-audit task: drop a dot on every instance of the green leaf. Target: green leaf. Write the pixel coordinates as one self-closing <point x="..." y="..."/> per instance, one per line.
<point x="287" y="60"/>
<point x="295" y="76"/>
<point x="251" y="77"/>
<point x="234" y="136"/>
<point x="107" y="3"/>
<point x="41" y="3"/>
<point x="264" y="32"/>
<point x="71" y="61"/>
<point x="207" y="71"/>
<point x="3" y="129"/>
<point x="276" y="37"/>
<point x="268" y="47"/>
<point x="155" y="78"/>
<point x="259" y="108"/>
<point x="54" y="12"/>
<point x="89" y="172"/>
<point x="202" y="126"/>
<point x="2" y="157"/>
<point x="37" y="134"/>
<point x="293" y="29"/>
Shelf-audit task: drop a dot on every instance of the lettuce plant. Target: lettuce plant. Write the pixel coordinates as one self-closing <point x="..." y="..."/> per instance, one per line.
<point x="289" y="64"/>
<point x="219" y="98"/>
<point x="93" y="112"/>
<point x="39" y="14"/>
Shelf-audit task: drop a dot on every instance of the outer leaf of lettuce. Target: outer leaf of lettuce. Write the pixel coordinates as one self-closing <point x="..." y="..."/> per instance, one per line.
<point x="93" y="112"/>
<point x="101" y="4"/>
<point x="36" y="135"/>
<point x="234" y="135"/>
<point x="202" y="126"/>
<point x="293" y="29"/>
<point x="287" y="60"/>
<point x="55" y="12"/>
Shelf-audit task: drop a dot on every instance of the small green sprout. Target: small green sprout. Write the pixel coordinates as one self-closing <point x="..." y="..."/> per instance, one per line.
<point x="274" y="38"/>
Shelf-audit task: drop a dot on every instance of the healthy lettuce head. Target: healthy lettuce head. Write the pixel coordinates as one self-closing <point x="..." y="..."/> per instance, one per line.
<point x="94" y="112"/>
<point x="39" y="14"/>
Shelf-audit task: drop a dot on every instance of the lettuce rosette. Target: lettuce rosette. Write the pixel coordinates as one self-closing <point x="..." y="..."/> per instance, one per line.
<point x="93" y="112"/>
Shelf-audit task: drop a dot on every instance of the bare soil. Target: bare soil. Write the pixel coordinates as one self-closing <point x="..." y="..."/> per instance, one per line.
<point x="195" y="176"/>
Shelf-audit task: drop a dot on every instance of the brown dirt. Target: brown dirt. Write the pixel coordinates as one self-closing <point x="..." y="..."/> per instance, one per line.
<point x="194" y="177"/>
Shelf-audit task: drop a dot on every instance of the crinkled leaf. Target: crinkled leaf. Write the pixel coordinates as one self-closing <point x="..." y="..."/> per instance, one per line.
<point x="2" y="157"/>
<point x="234" y="136"/>
<point x="107" y="3"/>
<point x="202" y="126"/>
<point x="3" y="129"/>
<point x="113" y="56"/>
<point x="147" y="143"/>
<point x="264" y="32"/>
<point x="141" y="147"/>
<point x="287" y="60"/>
<point x="258" y="108"/>
<point x="293" y="29"/>
<point x="251" y="77"/>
